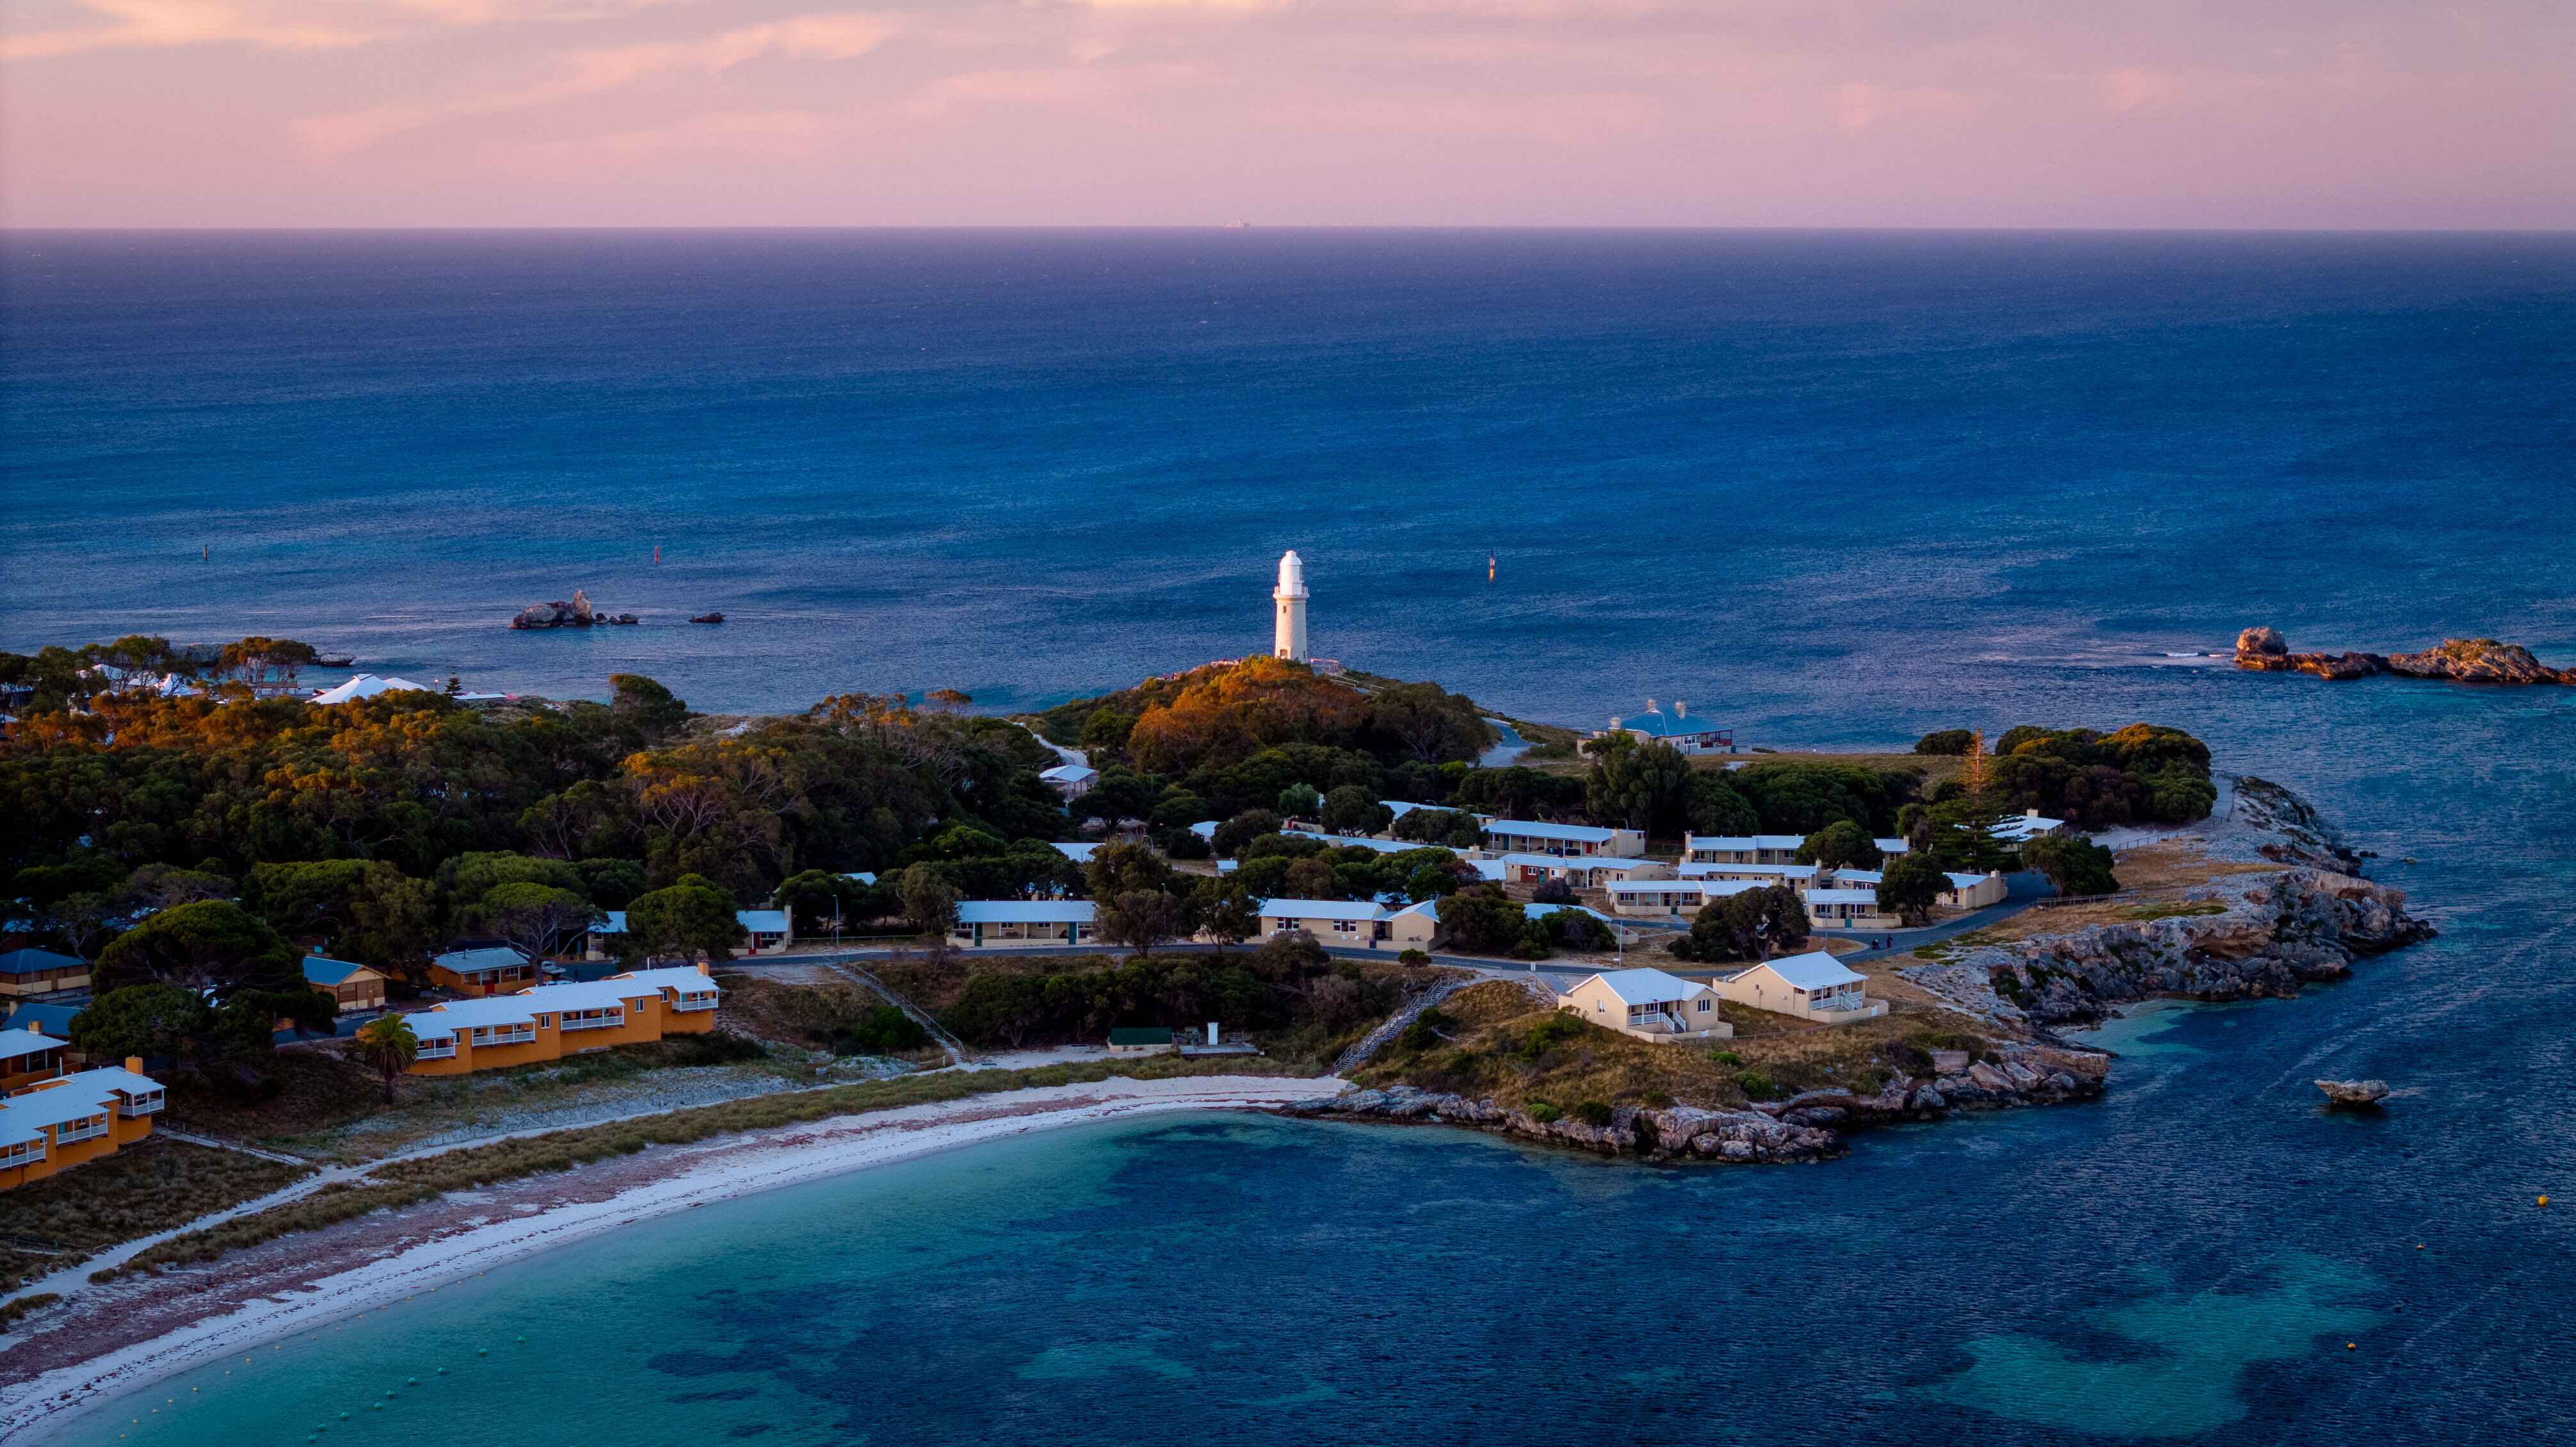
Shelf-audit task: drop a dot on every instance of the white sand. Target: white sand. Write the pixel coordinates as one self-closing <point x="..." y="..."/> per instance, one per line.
<point x="723" y="1169"/>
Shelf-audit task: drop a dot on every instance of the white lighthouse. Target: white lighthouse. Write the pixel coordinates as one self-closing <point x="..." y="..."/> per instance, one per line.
<point x="1290" y="596"/>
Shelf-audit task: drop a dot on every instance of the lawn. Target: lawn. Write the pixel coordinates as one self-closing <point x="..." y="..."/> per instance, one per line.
<point x="150" y="1186"/>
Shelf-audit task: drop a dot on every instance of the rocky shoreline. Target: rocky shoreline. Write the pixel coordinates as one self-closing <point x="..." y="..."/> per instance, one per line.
<point x="2457" y="660"/>
<point x="1810" y="1126"/>
<point x="2273" y="933"/>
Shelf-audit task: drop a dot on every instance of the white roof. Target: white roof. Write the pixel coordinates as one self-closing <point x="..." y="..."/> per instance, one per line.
<point x="1361" y="841"/>
<point x="1068" y="774"/>
<point x="2023" y="826"/>
<point x="1541" y="911"/>
<point x="1814" y="970"/>
<point x="1078" y="853"/>
<point x="1965" y="881"/>
<point x="1842" y="896"/>
<point x="14" y="1043"/>
<point x="1488" y="870"/>
<point x="1704" y="869"/>
<point x="763" y="921"/>
<point x="1205" y="828"/>
<point x="1644" y="987"/>
<point x="367" y="685"/>
<point x="1322" y="909"/>
<point x="1531" y="829"/>
<point x="1741" y="842"/>
<point x="440" y="1021"/>
<point x="1859" y="876"/>
<point x="1892" y="846"/>
<point x="862" y="876"/>
<point x="1704" y="888"/>
<point x="1574" y="861"/>
<point x="684" y="978"/>
<point x="1026" y="911"/>
<point x="23" y="1117"/>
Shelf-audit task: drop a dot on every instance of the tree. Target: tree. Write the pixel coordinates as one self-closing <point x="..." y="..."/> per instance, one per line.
<point x="366" y="909"/>
<point x="2075" y="866"/>
<point x="818" y="898"/>
<point x="388" y="1044"/>
<point x="614" y="883"/>
<point x="1640" y="786"/>
<point x="538" y="918"/>
<point x="1714" y="807"/>
<point x="1242" y="829"/>
<point x="1909" y="889"/>
<point x="1121" y="793"/>
<point x="1753" y="924"/>
<point x="929" y="904"/>
<point x="1840" y="845"/>
<point x="1439" y="826"/>
<point x="690" y="917"/>
<point x="1312" y="878"/>
<point x="1481" y="919"/>
<point x="1348" y="809"/>
<point x="209" y="945"/>
<point x="152" y="1021"/>
<point x="160" y="886"/>
<point x="1553" y="891"/>
<point x="1950" y="743"/>
<point x="1300" y="801"/>
<point x="1143" y="918"/>
<point x="1227" y="911"/>
<point x="1427" y="721"/>
<point x="644" y="705"/>
<point x="467" y="877"/>
<point x="1140" y="901"/>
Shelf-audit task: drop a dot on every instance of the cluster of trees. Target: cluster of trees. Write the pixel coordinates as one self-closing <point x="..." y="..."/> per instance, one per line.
<point x="65" y="678"/>
<point x="1211" y="718"/>
<point x="2142" y="774"/>
<point x="1482" y="920"/>
<point x="1282" y="983"/>
<point x="1753" y="925"/>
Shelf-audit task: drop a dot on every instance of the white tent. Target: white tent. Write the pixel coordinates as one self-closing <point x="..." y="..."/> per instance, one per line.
<point x="367" y="685"/>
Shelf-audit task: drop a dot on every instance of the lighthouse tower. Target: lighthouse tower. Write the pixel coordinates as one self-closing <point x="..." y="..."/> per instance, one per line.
<point x="1290" y="640"/>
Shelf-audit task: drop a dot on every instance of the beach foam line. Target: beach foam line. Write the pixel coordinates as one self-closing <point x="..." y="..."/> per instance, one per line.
<point x="736" y="1166"/>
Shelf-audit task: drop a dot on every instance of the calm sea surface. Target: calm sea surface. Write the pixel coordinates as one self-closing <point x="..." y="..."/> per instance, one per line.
<point x="1833" y="489"/>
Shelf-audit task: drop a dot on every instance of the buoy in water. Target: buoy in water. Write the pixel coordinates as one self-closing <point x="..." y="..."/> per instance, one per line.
<point x="2544" y="1200"/>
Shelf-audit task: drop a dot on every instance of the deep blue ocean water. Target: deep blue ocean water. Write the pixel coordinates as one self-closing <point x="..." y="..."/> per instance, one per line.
<point x="1834" y="489"/>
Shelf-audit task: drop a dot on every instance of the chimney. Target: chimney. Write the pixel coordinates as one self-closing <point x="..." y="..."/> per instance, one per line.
<point x="1680" y="709"/>
<point x="702" y="968"/>
<point x="134" y="1063"/>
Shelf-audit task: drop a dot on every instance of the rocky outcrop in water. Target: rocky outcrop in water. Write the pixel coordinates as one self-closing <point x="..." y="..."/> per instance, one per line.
<point x="1810" y="1126"/>
<point x="2354" y="1094"/>
<point x="559" y="614"/>
<point x="2457" y="660"/>
<point x="2277" y="933"/>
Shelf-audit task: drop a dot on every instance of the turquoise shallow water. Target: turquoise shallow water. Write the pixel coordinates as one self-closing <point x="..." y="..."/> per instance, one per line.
<point x="1832" y="490"/>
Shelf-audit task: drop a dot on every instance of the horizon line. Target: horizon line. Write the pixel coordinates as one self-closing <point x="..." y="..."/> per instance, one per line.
<point x="1348" y="227"/>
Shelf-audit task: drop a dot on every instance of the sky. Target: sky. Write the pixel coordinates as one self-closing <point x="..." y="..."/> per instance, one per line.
<point x="1938" y="113"/>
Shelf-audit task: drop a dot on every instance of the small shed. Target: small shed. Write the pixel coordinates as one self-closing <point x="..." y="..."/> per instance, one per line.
<point x="1140" y="1040"/>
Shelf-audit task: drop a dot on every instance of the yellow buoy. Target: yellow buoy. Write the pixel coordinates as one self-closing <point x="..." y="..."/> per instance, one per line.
<point x="2351" y="1346"/>
<point x="2544" y="1200"/>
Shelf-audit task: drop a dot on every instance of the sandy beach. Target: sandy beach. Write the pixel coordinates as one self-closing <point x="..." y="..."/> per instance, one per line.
<point x="120" y="1335"/>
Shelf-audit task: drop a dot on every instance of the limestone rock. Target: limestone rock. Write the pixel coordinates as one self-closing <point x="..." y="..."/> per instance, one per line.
<point x="2354" y="1094"/>
<point x="559" y="614"/>
<point x="2479" y="660"/>
<point x="2260" y="643"/>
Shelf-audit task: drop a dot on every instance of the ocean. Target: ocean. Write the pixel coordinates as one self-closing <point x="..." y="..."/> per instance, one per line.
<point x="1832" y="489"/>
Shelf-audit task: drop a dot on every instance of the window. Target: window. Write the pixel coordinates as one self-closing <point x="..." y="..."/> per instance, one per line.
<point x="1703" y="1007"/>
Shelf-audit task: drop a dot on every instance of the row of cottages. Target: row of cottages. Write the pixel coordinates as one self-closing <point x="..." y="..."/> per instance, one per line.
<point x="1579" y="871"/>
<point x="50" y="1122"/>
<point x="764" y="932"/>
<point x="1341" y="923"/>
<point x="550" y="1022"/>
<point x="41" y="972"/>
<point x="1965" y="891"/>
<point x="1761" y="848"/>
<point x="1527" y="836"/>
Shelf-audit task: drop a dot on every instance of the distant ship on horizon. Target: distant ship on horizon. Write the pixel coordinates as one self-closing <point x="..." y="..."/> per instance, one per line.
<point x="1236" y="226"/>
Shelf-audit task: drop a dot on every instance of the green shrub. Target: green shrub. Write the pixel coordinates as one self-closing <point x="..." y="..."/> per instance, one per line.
<point x="1756" y="1085"/>
<point x="1726" y="1057"/>
<point x="1548" y="1034"/>
<point x="1592" y="1112"/>
<point x="1544" y="1113"/>
<point x="716" y="1047"/>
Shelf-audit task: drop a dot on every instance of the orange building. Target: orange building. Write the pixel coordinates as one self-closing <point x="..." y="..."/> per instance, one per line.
<point x="28" y="1056"/>
<point x="57" y="1124"/>
<point x="553" y="1021"/>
